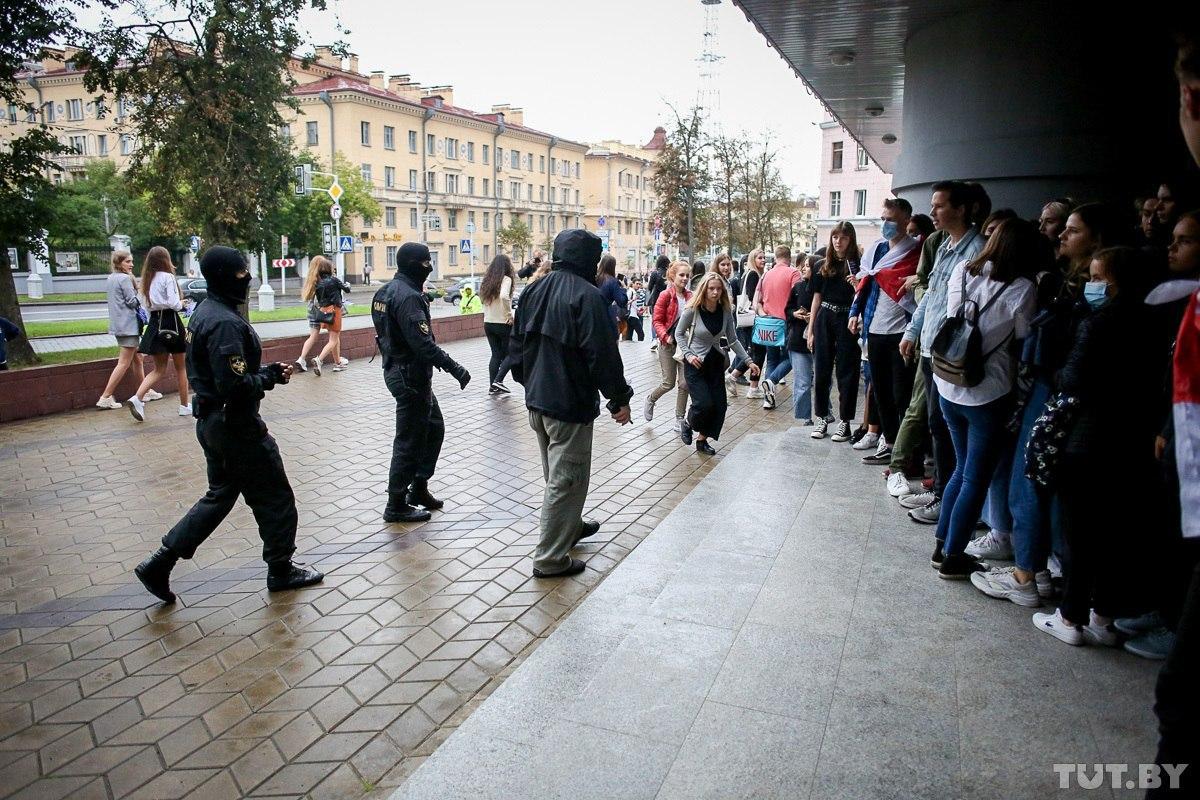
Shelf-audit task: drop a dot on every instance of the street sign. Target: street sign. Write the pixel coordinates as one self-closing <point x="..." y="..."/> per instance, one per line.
<point x="604" y="234"/>
<point x="280" y="263"/>
<point x="464" y="246"/>
<point x="600" y="222"/>
<point x="194" y="244"/>
<point x="283" y="242"/>
<point x="470" y="229"/>
<point x="335" y="211"/>
<point x="346" y="244"/>
<point x="327" y="243"/>
<point x="336" y="191"/>
<point x="657" y="221"/>
<point x="657" y="234"/>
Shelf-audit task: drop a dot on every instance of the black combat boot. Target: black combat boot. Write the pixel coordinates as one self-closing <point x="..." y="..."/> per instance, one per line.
<point x="284" y="575"/>
<point x="155" y="573"/>
<point x="418" y="495"/>
<point x="403" y="512"/>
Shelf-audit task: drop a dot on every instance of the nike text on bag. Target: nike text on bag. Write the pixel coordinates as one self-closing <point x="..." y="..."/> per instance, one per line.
<point x="769" y="331"/>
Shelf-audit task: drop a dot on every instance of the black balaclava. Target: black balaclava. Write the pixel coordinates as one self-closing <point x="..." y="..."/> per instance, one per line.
<point x="577" y="250"/>
<point x="220" y="266"/>
<point x="410" y="262"/>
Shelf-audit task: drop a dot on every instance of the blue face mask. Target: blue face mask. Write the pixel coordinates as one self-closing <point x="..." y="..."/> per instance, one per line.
<point x="1096" y="293"/>
<point x="890" y="229"/>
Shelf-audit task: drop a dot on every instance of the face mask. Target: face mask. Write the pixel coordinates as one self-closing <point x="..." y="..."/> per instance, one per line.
<point x="1096" y="293"/>
<point x="890" y="229"/>
<point x="241" y="286"/>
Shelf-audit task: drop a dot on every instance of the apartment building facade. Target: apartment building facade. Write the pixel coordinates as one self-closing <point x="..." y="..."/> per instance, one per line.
<point x="620" y="202"/>
<point x="852" y="187"/>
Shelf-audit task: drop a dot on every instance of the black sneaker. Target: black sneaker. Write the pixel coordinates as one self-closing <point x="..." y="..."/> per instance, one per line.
<point x="702" y="446"/>
<point x="859" y="433"/>
<point x="418" y="495"/>
<point x="935" y="560"/>
<point x="685" y="431"/>
<point x="155" y="574"/>
<point x="843" y="432"/>
<point x="289" y="575"/>
<point x="881" y="456"/>
<point x="406" y="513"/>
<point x="958" y="566"/>
<point x="574" y="568"/>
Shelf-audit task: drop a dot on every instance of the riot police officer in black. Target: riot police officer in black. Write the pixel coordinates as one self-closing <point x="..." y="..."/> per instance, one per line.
<point x="403" y="330"/>
<point x="228" y="381"/>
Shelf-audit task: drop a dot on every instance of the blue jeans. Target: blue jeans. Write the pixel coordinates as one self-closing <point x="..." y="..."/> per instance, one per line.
<point x="995" y="509"/>
<point x="1030" y="506"/>
<point x="979" y="440"/>
<point x="802" y="371"/>
<point x="778" y="363"/>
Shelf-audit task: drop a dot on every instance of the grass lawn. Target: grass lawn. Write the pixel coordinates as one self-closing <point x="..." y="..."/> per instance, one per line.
<point x="77" y="356"/>
<point x="93" y="297"/>
<point x="70" y="327"/>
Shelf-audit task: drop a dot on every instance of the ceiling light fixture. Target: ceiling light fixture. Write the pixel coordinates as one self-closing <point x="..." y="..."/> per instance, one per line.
<point x="889" y="138"/>
<point x="874" y="111"/>
<point x="841" y="57"/>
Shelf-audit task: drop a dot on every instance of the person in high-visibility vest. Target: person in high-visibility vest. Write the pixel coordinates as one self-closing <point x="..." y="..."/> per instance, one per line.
<point x="470" y="302"/>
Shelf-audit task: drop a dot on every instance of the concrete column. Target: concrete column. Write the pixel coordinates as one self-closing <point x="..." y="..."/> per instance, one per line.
<point x="1033" y="100"/>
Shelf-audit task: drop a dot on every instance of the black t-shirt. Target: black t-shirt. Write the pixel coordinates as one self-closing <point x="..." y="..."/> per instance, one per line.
<point x="800" y="296"/>
<point x="713" y="320"/>
<point x="837" y="291"/>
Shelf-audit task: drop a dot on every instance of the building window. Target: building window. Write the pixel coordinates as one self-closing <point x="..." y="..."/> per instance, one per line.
<point x="486" y="148"/>
<point x="487" y="251"/>
<point x="451" y="148"/>
<point x="452" y="219"/>
<point x="451" y="184"/>
<point x="366" y="173"/>
<point x="389" y="216"/>
<point x="515" y="189"/>
<point x="366" y="223"/>
<point x="391" y="256"/>
<point x="453" y="255"/>
<point x="862" y="157"/>
<point x="470" y="186"/>
<point x="78" y="144"/>
<point x="835" y="204"/>
<point x="514" y="159"/>
<point x="389" y="177"/>
<point x="412" y="141"/>
<point x="310" y="132"/>
<point x="860" y="202"/>
<point x="430" y="144"/>
<point x="431" y="181"/>
<point x="369" y="256"/>
<point x="487" y="187"/>
<point x="529" y="192"/>
<point x="102" y="145"/>
<point x="486" y="219"/>
<point x="471" y="152"/>
<point x="541" y="224"/>
<point x="389" y="137"/>
<point x="499" y="220"/>
<point x="553" y="165"/>
<point x="412" y="218"/>
<point x="542" y="164"/>
<point x="835" y="164"/>
<point x="74" y="109"/>
<point x="576" y="172"/>
<point x="285" y="131"/>
<point x="550" y="223"/>
<point x="541" y="194"/>
<point x="553" y="195"/>
<point x="364" y="133"/>
<point x="471" y="220"/>
<point x="126" y="144"/>
<point x="412" y="180"/>
<point x="577" y="192"/>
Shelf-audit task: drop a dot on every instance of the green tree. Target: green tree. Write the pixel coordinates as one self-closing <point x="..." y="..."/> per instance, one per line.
<point x="516" y="238"/>
<point x="299" y="217"/>
<point x="100" y="204"/>
<point x="205" y="92"/>
<point x="682" y="181"/>
<point x="728" y="156"/>
<point x="26" y="195"/>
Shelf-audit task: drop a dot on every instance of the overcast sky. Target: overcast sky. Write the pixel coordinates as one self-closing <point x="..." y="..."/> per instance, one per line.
<point x="587" y="71"/>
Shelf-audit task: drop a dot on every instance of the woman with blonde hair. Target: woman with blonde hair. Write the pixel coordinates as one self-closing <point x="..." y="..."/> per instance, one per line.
<point x="123" y="323"/>
<point x="165" y="334"/>
<point x="707" y="328"/>
<point x="666" y="314"/>
<point x="323" y="293"/>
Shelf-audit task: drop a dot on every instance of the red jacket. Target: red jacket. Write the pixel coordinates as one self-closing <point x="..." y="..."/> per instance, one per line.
<point x="666" y="311"/>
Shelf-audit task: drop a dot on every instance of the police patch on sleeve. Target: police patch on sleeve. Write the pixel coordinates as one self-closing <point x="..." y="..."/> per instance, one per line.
<point x="237" y="364"/>
<point x="424" y="326"/>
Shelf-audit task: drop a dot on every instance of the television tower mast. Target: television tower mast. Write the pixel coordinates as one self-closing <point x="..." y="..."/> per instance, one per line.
<point x="708" y="95"/>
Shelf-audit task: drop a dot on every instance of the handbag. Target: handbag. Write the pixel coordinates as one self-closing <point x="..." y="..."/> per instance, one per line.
<point x="678" y="354"/>
<point x="1048" y="437"/>
<point x="769" y="331"/>
<point x="170" y="338"/>
<point x="318" y="314"/>
<point x="957" y="349"/>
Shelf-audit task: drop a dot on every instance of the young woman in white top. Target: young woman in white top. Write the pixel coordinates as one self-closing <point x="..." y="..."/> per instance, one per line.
<point x="123" y="305"/>
<point x="495" y="292"/>
<point x="998" y="286"/>
<point x="163" y="299"/>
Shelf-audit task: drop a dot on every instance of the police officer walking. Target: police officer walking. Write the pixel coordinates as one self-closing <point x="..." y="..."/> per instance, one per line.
<point x="228" y="380"/>
<point x="400" y="312"/>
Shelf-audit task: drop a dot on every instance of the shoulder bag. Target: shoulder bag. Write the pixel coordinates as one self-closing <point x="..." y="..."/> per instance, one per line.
<point x="769" y="331"/>
<point x="170" y="338"/>
<point x="678" y="355"/>
<point x="957" y="350"/>
<point x="318" y="314"/>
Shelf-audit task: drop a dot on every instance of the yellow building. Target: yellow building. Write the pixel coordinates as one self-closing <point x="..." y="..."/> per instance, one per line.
<point x="620" y="200"/>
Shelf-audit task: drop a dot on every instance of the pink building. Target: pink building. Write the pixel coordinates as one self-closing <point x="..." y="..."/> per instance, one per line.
<point x="852" y="186"/>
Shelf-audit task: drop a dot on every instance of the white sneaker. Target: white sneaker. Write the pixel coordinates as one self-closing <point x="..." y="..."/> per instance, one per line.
<point x="768" y="390"/>
<point x="1054" y="566"/>
<point x="1045" y="585"/>
<point x="107" y="401"/>
<point x="730" y="386"/>
<point x="755" y="393"/>
<point x="1099" y="632"/>
<point x="343" y="361"/>
<point x="185" y="411"/>
<point x="867" y="442"/>
<point x="916" y="500"/>
<point x="151" y="395"/>
<point x="137" y="408"/>
<point x="990" y="545"/>
<point x="678" y="424"/>
<point x="316" y="366"/>
<point x="1002" y="583"/>
<point x="927" y="514"/>
<point x="1054" y="625"/>
<point x="897" y="484"/>
<point x="300" y="365"/>
<point x="338" y="368"/>
<point x="648" y="409"/>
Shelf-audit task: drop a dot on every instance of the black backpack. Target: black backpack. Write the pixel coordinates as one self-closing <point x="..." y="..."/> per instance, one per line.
<point x="957" y="350"/>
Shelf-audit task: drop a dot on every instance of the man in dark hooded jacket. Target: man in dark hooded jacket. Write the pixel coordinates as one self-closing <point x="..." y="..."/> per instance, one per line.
<point x="563" y="350"/>
<point x="228" y="380"/>
<point x="404" y="332"/>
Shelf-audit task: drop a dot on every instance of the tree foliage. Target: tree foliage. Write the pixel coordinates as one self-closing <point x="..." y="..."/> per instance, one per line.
<point x="204" y="92"/>
<point x="516" y="238"/>
<point x="682" y="181"/>
<point x="101" y="204"/>
<point x="299" y="217"/>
